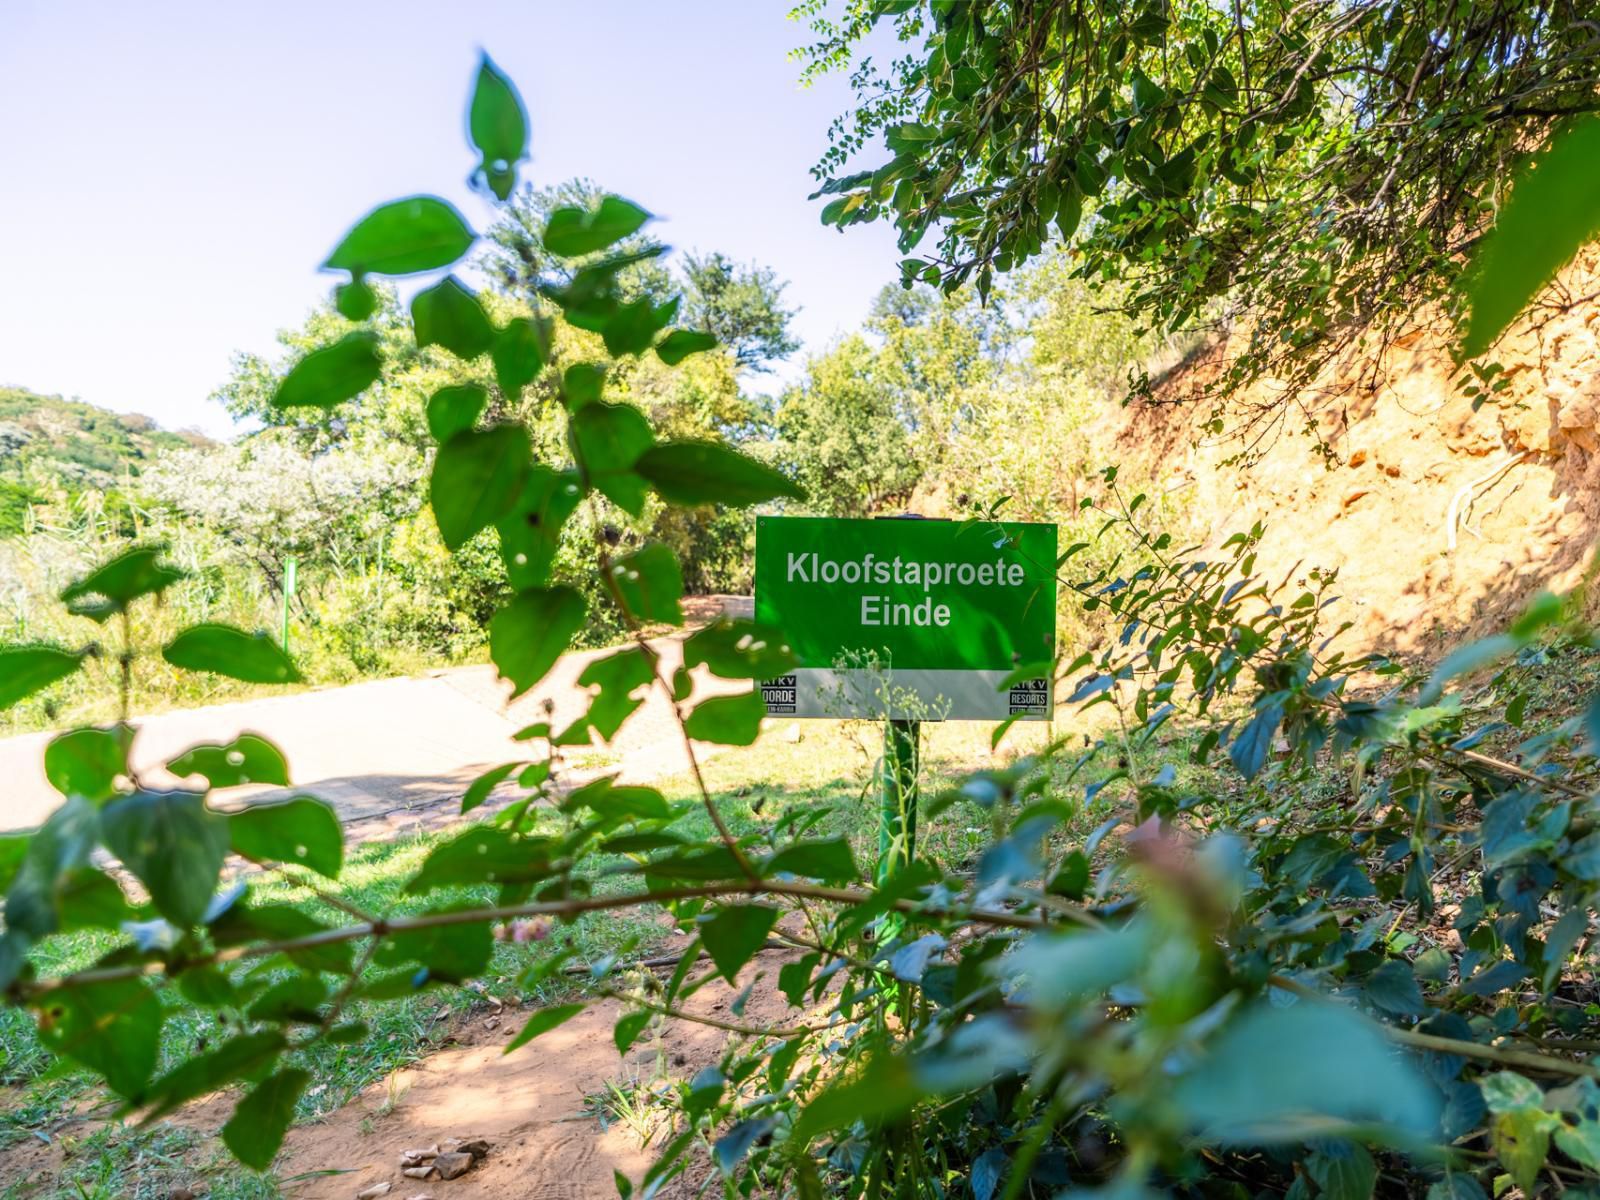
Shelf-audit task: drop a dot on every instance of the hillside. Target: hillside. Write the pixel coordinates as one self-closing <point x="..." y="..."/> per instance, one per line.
<point x="1442" y="521"/>
<point x="52" y="450"/>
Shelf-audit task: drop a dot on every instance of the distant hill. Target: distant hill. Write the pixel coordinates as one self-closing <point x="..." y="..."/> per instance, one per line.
<point x="53" y="450"/>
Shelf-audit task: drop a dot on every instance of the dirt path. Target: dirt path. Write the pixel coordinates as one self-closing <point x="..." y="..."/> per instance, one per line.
<point x="387" y="746"/>
<point x="536" y="1107"/>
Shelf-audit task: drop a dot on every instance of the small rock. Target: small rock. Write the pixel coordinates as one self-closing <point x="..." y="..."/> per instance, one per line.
<point x="421" y="1196"/>
<point x="1359" y="457"/>
<point x="477" y="1148"/>
<point x="453" y="1165"/>
<point x="492" y="1024"/>
<point x="792" y="734"/>
<point x="376" y="1190"/>
<point x="424" y="1171"/>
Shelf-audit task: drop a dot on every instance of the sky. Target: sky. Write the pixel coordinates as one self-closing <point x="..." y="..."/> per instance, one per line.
<point x="171" y="174"/>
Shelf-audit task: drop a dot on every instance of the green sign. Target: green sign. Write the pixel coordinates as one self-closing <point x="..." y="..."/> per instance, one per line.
<point x="909" y="619"/>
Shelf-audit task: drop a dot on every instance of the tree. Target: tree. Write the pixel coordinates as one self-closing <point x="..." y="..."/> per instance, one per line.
<point x="741" y="306"/>
<point x="1307" y="171"/>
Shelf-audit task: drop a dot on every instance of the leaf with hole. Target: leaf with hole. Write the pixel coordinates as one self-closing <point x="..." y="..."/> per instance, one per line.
<point x="738" y="649"/>
<point x="224" y="650"/>
<point x="249" y="758"/>
<point x="419" y="233"/>
<point x="25" y="670"/>
<point x="530" y="534"/>
<point x="303" y="831"/>
<point x="113" y="1028"/>
<point x="477" y="477"/>
<point x="449" y="315"/>
<point x="498" y="124"/>
<point x="333" y="374"/>
<point x="650" y="584"/>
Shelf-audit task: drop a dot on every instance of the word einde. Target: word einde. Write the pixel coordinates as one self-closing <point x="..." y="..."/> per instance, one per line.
<point x="811" y="567"/>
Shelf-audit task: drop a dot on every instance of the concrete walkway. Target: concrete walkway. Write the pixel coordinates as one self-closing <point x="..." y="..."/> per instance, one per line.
<point x="385" y="746"/>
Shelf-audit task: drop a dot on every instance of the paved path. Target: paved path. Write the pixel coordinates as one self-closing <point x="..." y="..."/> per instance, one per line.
<point x="383" y="747"/>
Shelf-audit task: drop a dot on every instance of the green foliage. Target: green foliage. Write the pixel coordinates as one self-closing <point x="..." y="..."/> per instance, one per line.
<point x="1134" y="976"/>
<point x="1310" y="172"/>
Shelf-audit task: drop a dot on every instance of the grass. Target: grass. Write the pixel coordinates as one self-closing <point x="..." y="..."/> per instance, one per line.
<point x="829" y="766"/>
<point x="53" y="1102"/>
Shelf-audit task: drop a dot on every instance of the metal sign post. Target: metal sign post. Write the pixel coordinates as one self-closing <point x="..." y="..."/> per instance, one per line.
<point x="291" y="566"/>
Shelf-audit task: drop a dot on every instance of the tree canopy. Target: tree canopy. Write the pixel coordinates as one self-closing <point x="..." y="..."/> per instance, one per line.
<point x="1308" y="170"/>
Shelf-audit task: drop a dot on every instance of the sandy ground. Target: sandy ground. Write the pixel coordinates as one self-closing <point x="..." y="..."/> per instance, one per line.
<point x="386" y="746"/>
<point x="535" y="1107"/>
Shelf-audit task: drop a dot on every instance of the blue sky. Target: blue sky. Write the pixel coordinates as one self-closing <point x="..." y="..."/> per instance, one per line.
<point x="174" y="171"/>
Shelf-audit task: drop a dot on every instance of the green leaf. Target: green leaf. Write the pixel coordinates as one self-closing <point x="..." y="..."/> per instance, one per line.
<point x="483" y="854"/>
<point x="618" y="676"/>
<point x="25" y="670"/>
<point x="173" y="844"/>
<point x="739" y="649"/>
<point x="355" y="301"/>
<point x="255" y="1131"/>
<point x="1393" y="988"/>
<point x="477" y="477"/>
<point x="795" y="977"/>
<point x="530" y="534"/>
<point x="112" y="1028"/>
<point x="693" y="473"/>
<point x="607" y="440"/>
<point x="1521" y="1141"/>
<point x="544" y="1021"/>
<point x="650" y="583"/>
<point x="728" y="720"/>
<point x="480" y="788"/>
<point x="734" y="933"/>
<point x="303" y="831"/>
<point x="518" y="355"/>
<point x="449" y="315"/>
<point x="245" y="1056"/>
<point x="581" y="384"/>
<point x="828" y="861"/>
<point x="628" y="1028"/>
<point x="732" y="1146"/>
<point x="681" y="343"/>
<point x="224" y="650"/>
<point x="499" y="127"/>
<point x="297" y="998"/>
<point x="1271" y="1068"/>
<point x="448" y="954"/>
<point x="634" y="325"/>
<point x="573" y="232"/>
<point x="1581" y="1142"/>
<point x="531" y="631"/>
<point x="454" y="410"/>
<point x="883" y="1090"/>
<point x="130" y="575"/>
<point x="333" y="374"/>
<point x="605" y="799"/>
<point x="207" y="987"/>
<point x="1343" y="1171"/>
<point x="420" y="233"/>
<point x="242" y="923"/>
<point x="248" y="759"/>
<point x="88" y="762"/>
<point x="1550" y="213"/>
<point x="1249" y="750"/>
